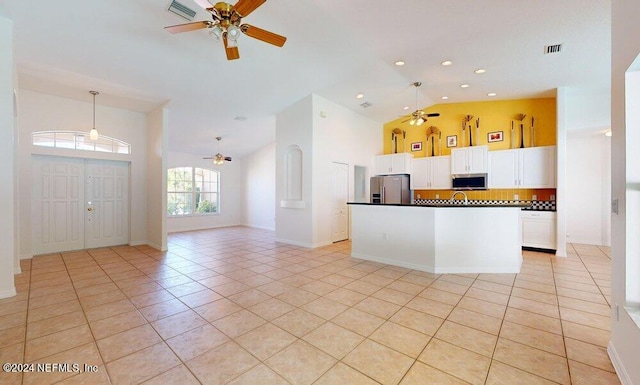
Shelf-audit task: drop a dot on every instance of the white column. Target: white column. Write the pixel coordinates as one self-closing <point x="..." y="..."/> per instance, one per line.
<point x="7" y="160"/>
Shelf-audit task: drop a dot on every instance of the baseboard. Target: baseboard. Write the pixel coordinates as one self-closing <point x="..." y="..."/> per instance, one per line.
<point x="26" y="256"/>
<point x="260" y="227"/>
<point x="17" y="269"/>
<point x="8" y="293"/>
<point x="198" y="228"/>
<point x="617" y="364"/>
<point x="155" y="246"/>
<point x="138" y="243"/>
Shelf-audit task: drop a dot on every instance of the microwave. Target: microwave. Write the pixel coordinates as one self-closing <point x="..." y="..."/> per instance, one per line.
<point x="470" y="182"/>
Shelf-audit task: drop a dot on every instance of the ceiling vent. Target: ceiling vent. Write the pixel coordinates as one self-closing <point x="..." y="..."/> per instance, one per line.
<point x="552" y="48"/>
<point x="366" y="105"/>
<point x="182" y="10"/>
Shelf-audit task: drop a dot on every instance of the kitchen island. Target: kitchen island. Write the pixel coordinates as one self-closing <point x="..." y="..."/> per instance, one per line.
<point x="439" y="238"/>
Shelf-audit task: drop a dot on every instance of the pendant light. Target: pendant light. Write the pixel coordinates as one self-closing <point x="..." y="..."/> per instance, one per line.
<point x="93" y="134"/>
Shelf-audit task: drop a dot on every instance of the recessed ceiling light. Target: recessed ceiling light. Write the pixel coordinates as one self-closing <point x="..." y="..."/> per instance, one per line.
<point x="447" y="63"/>
<point x="359" y="96"/>
<point x="464" y="86"/>
<point x="444" y="97"/>
<point x="405" y="108"/>
<point x="480" y="71"/>
<point x="492" y="94"/>
<point x="399" y="63"/>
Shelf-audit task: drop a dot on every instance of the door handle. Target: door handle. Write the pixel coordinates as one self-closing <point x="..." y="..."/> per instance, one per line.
<point x="90" y="209"/>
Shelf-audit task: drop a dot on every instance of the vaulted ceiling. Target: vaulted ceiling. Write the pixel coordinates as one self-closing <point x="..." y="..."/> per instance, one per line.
<point x="335" y="48"/>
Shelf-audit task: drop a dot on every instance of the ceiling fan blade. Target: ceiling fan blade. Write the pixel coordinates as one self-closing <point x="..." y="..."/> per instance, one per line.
<point x="245" y="7"/>
<point x="433" y="114"/>
<point x="188" y="27"/>
<point x="232" y="52"/>
<point x="204" y="4"/>
<point x="264" y="35"/>
<point x="227" y="159"/>
<point x="208" y="157"/>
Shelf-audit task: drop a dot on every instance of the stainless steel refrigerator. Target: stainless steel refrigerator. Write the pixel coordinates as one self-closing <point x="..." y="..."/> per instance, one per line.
<point x="390" y="189"/>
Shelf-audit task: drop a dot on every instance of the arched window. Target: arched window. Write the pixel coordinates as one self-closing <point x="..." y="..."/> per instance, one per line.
<point x="192" y="191"/>
<point x="75" y="140"/>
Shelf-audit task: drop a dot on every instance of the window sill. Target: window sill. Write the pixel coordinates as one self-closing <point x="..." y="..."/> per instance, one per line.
<point x="634" y="313"/>
<point x="192" y="215"/>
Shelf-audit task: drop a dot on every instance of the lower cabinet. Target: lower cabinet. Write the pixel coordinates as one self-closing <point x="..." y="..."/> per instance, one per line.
<point x="538" y="229"/>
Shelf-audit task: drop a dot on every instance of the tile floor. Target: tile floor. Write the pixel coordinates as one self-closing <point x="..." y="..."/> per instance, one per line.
<point x="232" y="306"/>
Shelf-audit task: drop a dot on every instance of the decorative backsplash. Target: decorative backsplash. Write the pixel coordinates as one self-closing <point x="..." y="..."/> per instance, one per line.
<point x="535" y="205"/>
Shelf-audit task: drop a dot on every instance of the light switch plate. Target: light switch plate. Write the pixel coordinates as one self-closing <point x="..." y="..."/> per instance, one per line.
<point x="516" y="197"/>
<point x="437" y="196"/>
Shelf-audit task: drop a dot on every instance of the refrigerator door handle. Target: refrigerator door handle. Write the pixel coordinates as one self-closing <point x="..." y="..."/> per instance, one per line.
<point x="382" y="195"/>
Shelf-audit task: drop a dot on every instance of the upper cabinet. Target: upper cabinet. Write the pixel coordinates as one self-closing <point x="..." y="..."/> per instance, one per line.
<point x="469" y="160"/>
<point x="393" y="164"/>
<point x="431" y="173"/>
<point x="533" y="167"/>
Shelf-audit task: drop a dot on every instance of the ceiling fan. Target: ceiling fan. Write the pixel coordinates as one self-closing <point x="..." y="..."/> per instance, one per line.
<point x="418" y="116"/>
<point x="226" y="25"/>
<point x="218" y="158"/>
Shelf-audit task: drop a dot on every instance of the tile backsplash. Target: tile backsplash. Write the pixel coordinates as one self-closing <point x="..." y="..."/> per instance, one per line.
<point x="493" y="194"/>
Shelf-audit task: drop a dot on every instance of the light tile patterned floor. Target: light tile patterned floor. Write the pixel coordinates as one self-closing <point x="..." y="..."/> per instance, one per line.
<point x="232" y="306"/>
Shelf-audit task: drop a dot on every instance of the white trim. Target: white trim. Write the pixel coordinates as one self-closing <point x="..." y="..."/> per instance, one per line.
<point x="26" y="256"/>
<point x="302" y="244"/>
<point x="157" y="247"/>
<point x="440" y="270"/>
<point x="8" y="293"/>
<point x="617" y="364"/>
<point x="17" y="269"/>
<point x="259" y="227"/>
<point x="206" y="227"/>
<point x="138" y="243"/>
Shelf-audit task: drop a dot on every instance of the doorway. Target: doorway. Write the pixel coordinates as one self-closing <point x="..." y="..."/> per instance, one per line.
<point x="78" y="204"/>
<point x="339" y="198"/>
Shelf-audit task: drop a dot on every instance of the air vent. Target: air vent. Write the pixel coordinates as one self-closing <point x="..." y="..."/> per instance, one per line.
<point x="182" y="10"/>
<point x="366" y="105"/>
<point x="552" y="48"/>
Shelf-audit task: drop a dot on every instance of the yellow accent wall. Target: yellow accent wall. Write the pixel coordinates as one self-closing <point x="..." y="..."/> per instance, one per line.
<point x="494" y="116"/>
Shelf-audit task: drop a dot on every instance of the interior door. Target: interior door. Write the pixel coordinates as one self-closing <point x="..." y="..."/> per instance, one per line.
<point x="339" y="198"/>
<point x="57" y="204"/>
<point x="107" y="203"/>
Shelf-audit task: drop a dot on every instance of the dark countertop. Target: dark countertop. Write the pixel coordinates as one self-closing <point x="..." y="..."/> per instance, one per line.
<point x="457" y="203"/>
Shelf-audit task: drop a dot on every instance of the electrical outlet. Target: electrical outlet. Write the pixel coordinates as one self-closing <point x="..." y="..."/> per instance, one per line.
<point x="418" y="196"/>
<point x="553" y="197"/>
<point x="516" y="197"/>
<point x="437" y="196"/>
<point x="534" y="197"/>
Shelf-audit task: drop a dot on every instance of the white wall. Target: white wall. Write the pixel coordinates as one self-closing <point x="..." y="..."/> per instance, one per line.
<point x="625" y="227"/>
<point x="588" y="187"/>
<point x="232" y="187"/>
<point x="7" y="160"/>
<point x="339" y="135"/>
<point x="294" y="126"/>
<point x="260" y="185"/>
<point x="156" y="178"/>
<point x="40" y="112"/>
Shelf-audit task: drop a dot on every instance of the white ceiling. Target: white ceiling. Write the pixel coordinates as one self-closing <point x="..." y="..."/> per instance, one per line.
<point x="335" y="48"/>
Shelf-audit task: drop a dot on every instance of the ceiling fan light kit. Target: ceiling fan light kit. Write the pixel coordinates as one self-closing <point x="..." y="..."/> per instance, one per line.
<point x="418" y="116"/>
<point x="218" y="158"/>
<point x="226" y="25"/>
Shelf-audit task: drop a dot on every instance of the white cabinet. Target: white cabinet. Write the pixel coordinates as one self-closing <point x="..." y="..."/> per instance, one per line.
<point x="469" y="160"/>
<point x="431" y="173"/>
<point x="393" y="164"/>
<point x="523" y="168"/>
<point x="538" y="229"/>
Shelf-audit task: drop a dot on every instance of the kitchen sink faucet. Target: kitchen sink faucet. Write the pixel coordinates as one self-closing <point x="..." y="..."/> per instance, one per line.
<point x="453" y="197"/>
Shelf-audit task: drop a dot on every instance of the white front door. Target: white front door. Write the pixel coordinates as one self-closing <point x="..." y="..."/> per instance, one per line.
<point x="78" y="204"/>
<point x="107" y="203"/>
<point x="57" y="204"/>
<point x="339" y="198"/>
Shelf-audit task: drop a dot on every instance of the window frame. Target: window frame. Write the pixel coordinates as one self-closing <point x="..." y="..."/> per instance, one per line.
<point x="195" y="194"/>
<point x="80" y="142"/>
